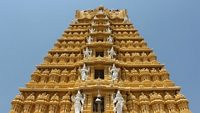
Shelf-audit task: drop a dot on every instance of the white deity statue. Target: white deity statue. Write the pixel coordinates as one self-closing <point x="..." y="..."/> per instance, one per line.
<point x="114" y="72"/>
<point x="74" y="21"/>
<point x="111" y="53"/>
<point x="87" y="53"/>
<point x="92" y="30"/>
<point x="78" y="102"/>
<point x="118" y="102"/>
<point x="89" y="40"/>
<point x="110" y="39"/>
<point x="84" y="71"/>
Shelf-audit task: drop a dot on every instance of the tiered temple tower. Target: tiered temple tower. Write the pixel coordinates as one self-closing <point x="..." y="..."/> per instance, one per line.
<point x="100" y="65"/>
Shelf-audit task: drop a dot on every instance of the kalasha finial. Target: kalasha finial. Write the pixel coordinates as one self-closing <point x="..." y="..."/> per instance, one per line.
<point x="101" y="7"/>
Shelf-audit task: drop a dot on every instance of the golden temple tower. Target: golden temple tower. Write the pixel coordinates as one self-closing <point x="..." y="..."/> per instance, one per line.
<point x="100" y="65"/>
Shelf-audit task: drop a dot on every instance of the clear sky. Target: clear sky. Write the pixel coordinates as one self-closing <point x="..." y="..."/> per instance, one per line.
<point x="29" y="28"/>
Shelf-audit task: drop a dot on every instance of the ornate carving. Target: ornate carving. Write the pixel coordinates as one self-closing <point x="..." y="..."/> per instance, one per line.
<point x="118" y="102"/>
<point x="87" y="53"/>
<point x="54" y="75"/>
<point x="35" y="77"/>
<point x="89" y="40"/>
<point x="41" y="103"/>
<point x="65" y="104"/>
<point x="111" y="53"/>
<point x="110" y="39"/>
<point x="54" y="101"/>
<point x="17" y="104"/>
<point x="48" y="59"/>
<point x="142" y="80"/>
<point x="182" y="103"/>
<point x="44" y="76"/>
<point x="28" y="103"/>
<point x="78" y="102"/>
<point x="64" y="76"/>
<point x="144" y="103"/>
<point x="84" y="72"/>
<point x="157" y="102"/>
<point x="170" y="102"/>
<point x="114" y="72"/>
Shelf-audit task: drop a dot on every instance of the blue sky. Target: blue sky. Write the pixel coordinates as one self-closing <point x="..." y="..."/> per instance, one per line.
<point x="29" y="28"/>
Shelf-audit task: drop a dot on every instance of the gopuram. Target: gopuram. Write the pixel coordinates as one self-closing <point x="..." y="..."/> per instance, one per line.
<point x="100" y="64"/>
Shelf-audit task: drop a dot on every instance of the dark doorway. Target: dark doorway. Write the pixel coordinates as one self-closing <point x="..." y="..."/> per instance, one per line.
<point x="95" y="104"/>
<point x="99" y="40"/>
<point x="99" y="73"/>
<point x="101" y="54"/>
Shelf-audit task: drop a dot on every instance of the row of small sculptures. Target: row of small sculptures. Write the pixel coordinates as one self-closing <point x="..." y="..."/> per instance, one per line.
<point x="100" y="22"/>
<point x="140" y="57"/>
<point x="116" y="30"/>
<point x="80" y="26"/>
<point x="131" y="44"/>
<point x="114" y="26"/>
<point x="68" y="45"/>
<point x="103" y="14"/>
<point x="90" y="40"/>
<point x="132" y="57"/>
<point x="57" y="75"/>
<point x="75" y="33"/>
<point x="154" y="100"/>
<point x="122" y="26"/>
<point x="108" y="30"/>
<point x="62" y="59"/>
<point x="94" y="30"/>
<point x="122" y="43"/>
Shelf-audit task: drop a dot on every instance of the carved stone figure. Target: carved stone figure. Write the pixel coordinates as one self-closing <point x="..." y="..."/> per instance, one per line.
<point x="53" y="107"/>
<point x="110" y="39"/>
<point x="84" y="71"/>
<point x="65" y="104"/>
<point x="170" y="103"/>
<point x="118" y="102"/>
<point x="144" y="102"/>
<point x="89" y="40"/>
<point x="92" y="30"/>
<point x="78" y="102"/>
<point x="17" y="104"/>
<point x="74" y="21"/>
<point x="41" y="99"/>
<point x="64" y="76"/>
<point x="29" y="103"/>
<point x="87" y="53"/>
<point x="111" y="53"/>
<point x="114" y="72"/>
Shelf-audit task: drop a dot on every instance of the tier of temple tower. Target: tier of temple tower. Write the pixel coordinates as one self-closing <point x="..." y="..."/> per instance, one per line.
<point x="100" y="64"/>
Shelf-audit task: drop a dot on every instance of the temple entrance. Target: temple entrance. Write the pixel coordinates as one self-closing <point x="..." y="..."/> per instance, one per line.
<point x="98" y="105"/>
<point x="99" y="54"/>
<point x="99" y="74"/>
